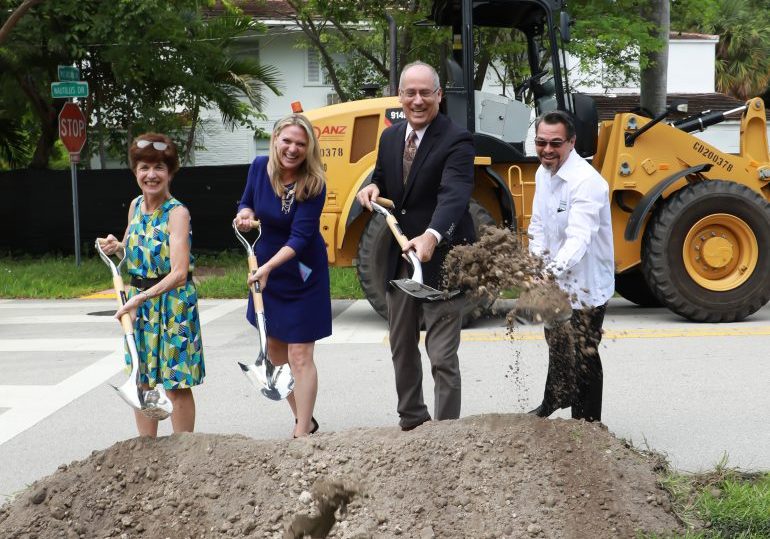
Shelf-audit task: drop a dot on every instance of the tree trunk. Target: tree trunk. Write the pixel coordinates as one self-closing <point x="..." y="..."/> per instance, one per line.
<point x="16" y="15"/>
<point x="653" y="78"/>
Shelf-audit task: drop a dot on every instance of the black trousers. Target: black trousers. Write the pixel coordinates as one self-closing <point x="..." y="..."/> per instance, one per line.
<point x="575" y="376"/>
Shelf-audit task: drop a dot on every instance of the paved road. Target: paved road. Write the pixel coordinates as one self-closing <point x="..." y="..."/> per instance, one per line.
<point x="692" y="391"/>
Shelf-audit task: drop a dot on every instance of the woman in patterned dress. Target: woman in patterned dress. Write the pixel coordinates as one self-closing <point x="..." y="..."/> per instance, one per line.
<point x="162" y="299"/>
<point x="286" y="192"/>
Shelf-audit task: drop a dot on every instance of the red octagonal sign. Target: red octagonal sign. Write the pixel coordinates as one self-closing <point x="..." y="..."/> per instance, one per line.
<point x="72" y="127"/>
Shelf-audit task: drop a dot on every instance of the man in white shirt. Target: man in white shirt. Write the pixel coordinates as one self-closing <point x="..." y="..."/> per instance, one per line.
<point x="571" y="229"/>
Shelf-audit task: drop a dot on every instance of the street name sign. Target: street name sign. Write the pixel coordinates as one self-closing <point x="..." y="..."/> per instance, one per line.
<point x="68" y="73"/>
<point x="69" y="89"/>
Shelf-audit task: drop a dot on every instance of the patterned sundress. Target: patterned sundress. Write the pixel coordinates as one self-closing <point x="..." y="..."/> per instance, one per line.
<point x="167" y="329"/>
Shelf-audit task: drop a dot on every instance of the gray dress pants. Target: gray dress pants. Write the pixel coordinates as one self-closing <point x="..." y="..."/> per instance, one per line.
<point x="443" y="321"/>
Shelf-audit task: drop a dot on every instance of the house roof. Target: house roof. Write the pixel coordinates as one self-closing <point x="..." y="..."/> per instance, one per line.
<point x="608" y="105"/>
<point x="260" y="9"/>
<point x="692" y="36"/>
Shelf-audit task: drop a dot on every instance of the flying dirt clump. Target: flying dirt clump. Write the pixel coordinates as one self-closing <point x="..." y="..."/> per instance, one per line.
<point x="498" y="262"/>
<point x="491" y="476"/>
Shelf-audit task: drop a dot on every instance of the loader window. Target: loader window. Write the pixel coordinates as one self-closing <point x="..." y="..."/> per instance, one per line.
<point x="364" y="139"/>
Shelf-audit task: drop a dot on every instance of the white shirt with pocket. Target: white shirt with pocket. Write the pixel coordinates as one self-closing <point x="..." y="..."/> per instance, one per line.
<point x="571" y="229"/>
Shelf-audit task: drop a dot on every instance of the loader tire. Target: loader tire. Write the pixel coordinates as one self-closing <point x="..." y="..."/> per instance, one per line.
<point x="373" y="262"/>
<point x="632" y="286"/>
<point x="706" y="252"/>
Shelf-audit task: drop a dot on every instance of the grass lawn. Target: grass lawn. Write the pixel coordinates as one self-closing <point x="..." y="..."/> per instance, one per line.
<point x="222" y="276"/>
<point x="723" y="503"/>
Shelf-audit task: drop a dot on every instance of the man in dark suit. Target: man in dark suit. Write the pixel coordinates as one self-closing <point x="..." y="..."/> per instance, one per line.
<point x="425" y="165"/>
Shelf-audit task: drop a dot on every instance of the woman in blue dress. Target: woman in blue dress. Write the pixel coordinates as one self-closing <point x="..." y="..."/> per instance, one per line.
<point x="286" y="192"/>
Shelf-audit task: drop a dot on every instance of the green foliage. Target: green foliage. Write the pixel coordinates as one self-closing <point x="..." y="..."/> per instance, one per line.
<point x="51" y="277"/>
<point x="611" y="31"/>
<point x="150" y="64"/>
<point x="221" y="275"/>
<point x="720" y="504"/>
<point x="743" y="63"/>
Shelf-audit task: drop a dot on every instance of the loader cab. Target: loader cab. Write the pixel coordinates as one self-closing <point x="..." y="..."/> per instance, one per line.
<point x="500" y="123"/>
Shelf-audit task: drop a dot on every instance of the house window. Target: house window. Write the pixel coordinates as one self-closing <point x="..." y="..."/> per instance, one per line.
<point x="315" y="75"/>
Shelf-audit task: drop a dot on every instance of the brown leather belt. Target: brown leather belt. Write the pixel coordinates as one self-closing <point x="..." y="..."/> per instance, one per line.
<point x="147" y="282"/>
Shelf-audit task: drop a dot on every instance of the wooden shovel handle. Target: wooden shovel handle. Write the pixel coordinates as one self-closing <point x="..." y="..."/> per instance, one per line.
<point x="385" y="202"/>
<point x="255" y="295"/>
<point x="396" y="229"/>
<point x="120" y="294"/>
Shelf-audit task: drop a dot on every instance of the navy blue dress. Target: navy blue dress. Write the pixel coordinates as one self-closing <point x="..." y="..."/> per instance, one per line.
<point x="297" y="300"/>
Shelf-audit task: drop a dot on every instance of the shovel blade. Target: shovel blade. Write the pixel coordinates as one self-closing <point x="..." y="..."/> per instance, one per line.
<point x="157" y="405"/>
<point x="153" y="403"/>
<point x="130" y="393"/>
<point x="275" y="385"/>
<point x="423" y="292"/>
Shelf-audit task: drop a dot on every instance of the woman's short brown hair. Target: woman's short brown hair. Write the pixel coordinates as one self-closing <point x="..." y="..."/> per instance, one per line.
<point x="149" y="154"/>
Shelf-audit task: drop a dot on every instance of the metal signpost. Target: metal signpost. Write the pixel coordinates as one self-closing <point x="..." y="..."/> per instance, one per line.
<point x="72" y="132"/>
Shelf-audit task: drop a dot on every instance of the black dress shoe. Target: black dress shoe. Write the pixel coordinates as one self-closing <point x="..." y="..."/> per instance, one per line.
<point x="412" y="427"/>
<point x="544" y="410"/>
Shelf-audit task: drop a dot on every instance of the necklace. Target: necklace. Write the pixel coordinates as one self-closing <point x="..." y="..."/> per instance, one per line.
<point x="287" y="199"/>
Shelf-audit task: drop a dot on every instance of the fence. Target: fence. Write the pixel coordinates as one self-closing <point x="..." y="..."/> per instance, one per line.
<point x="36" y="207"/>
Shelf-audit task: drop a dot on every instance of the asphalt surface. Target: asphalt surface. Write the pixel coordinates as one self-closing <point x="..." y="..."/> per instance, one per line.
<point x="695" y="392"/>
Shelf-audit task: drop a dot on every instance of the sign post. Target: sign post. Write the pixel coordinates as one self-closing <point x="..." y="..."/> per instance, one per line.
<point x="72" y="132"/>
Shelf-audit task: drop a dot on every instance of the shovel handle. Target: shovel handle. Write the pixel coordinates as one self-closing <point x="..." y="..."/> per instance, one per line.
<point x="256" y="294"/>
<point x="385" y="202"/>
<point x="120" y="294"/>
<point x="396" y="229"/>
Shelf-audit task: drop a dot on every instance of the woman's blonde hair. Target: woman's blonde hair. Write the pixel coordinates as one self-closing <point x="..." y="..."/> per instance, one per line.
<point x="311" y="178"/>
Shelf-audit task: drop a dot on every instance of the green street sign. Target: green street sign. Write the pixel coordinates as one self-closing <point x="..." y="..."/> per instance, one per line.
<point x="69" y="73"/>
<point x="69" y="89"/>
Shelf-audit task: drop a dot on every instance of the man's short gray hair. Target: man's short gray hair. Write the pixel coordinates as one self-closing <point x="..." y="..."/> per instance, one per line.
<point x="436" y="81"/>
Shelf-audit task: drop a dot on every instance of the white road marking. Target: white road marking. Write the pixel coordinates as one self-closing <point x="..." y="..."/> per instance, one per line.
<point x="31" y="404"/>
<point x="58" y="345"/>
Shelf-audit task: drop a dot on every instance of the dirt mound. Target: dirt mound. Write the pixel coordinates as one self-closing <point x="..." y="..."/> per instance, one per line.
<point x="484" y="476"/>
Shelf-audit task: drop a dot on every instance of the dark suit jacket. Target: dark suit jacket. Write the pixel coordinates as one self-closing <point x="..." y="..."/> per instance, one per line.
<point x="437" y="192"/>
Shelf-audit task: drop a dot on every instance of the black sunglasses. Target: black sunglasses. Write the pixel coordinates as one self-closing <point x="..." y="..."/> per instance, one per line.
<point x="555" y="143"/>
<point x="160" y="146"/>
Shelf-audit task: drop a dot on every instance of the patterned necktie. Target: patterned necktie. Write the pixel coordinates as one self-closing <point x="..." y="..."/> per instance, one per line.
<point x="410" y="148"/>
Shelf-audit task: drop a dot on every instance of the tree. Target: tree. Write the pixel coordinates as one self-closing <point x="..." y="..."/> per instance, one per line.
<point x="14" y="18"/>
<point x="610" y="31"/>
<point x="149" y="64"/>
<point x="743" y="63"/>
<point x="654" y="76"/>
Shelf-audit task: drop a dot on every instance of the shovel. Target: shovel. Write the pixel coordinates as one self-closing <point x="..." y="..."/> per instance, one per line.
<point x="273" y="382"/>
<point x="153" y="403"/>
<point x="413" y="285"/>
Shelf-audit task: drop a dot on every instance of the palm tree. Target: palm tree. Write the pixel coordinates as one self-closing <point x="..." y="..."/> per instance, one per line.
<point x="14" y="143"/>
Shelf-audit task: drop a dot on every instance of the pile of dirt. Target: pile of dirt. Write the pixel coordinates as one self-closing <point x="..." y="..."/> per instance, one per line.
<point x="485" y="476"/>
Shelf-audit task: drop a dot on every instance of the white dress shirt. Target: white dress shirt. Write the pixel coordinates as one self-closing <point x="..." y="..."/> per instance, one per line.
<point x="571" y="229"/>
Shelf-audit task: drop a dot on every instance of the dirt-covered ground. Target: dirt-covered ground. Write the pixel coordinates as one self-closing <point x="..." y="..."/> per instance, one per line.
<point x="485" y="476"/>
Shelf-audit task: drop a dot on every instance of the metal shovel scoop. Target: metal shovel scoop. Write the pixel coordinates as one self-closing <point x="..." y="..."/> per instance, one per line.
<point x="530" y="309"/>
<point x="274" y="382"/>
<point x="413" y="285"/>
<point x="153" y="403"/>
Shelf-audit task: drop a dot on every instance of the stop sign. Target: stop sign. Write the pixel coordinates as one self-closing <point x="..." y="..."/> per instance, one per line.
<point x="72" y="127"/>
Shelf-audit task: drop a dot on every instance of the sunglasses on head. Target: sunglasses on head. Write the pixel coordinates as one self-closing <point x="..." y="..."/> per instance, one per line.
<point x="160" y="146"/>
<point x="555" y="143"/>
